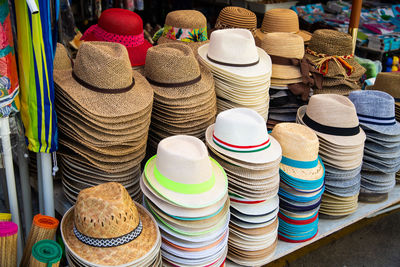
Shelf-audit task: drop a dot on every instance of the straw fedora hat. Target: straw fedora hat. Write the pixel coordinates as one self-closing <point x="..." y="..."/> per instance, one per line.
<point x="103" y="83"/>
<point x="61" y="58"/>
<point x="106" y="227"/>
<point x="286" y="45"/>
<point x="236" y="17"/>
<point x="121" y="26"/>
<point x="241" y="133"/>
<point x="280" y="20"/>
<point x="388" y="82"/>
<point x="333" y="118"/>
<point x="183" y="173"/>
<point x="188" y="27"/>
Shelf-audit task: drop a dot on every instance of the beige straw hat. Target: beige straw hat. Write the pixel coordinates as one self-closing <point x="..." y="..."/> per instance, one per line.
<point x="280" y="20"/>
<point x="106" y="227"/>
<point x="236" y="17"/>
<point x="61" y="58"/>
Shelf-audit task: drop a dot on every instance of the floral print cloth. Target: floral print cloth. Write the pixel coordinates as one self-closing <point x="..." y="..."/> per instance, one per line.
<point x="181" y="34"/>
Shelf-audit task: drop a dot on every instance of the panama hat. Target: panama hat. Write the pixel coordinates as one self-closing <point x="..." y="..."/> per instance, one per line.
<point x="90" y="234"/>
<point x="121" y="26"/>
<point x="242" y="134"/>
<point x="333" y="118"/>
<point x="182" y="169"/>
<point x="236" y="17"/>
<point x="280" y="20"/>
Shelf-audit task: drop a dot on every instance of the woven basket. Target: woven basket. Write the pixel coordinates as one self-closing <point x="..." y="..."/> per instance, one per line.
<point x="8" y="244"/>
<point x="45" y="253"/>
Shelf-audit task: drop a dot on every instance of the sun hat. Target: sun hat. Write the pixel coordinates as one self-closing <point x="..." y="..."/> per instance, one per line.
<point x="236" y="17"/>
<point x="188" y="27"/>
<point x="121" y="26"/>
<point x="333" y="118"/>
<point x="61" y="58"/>
<point x="280" y="20"/>
<point x="242" y="134"/>
<point x="183" y="173"/>
<point x="105" y="227"/>
<point x="376" y="111"/>
<point x="388" y="82"/>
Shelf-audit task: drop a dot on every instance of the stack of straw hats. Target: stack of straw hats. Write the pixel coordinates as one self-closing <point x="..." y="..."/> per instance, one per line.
<point x="376" y="113"/>
<point x="241" y="70"/>
<point x="302" y="182"/>
<point x="8" y="243"/>
<point x="331" y="54"/>
<point x="184" y="96"/>
<point x="292" y="75"/>
<point x="186" y="191"/>
<point x="103" y="110"/>
<point x="45" y="253"/>
<point x="389" y="82"/>
<point x="106" y="227"/>
<point x="341" y="145"/>
<point x="238" y="18"/>
<point x="187" y="27"/>
<point x="43" y="227"/>
<point x="280" y="20"/>
<point x="239" y="141"/>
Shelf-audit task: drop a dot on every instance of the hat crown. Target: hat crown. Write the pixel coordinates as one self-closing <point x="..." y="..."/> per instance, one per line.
<point x="103" y="65"/>
<point x="233" y="46"/>
<point x="331" y="42"/>
<point x="373" y="103"/>
<point x="171" y="63"/>
<point x="298" y="142"/>
<point x="105" y="211"/>
<point x="237" y="17"/>
<point x="388" y="82"/>
<point x="332" y="110"/>
<point x="184" y="159"/>
<point x="283" y="44"/>
<point x="121" y="21"/>
<point x="61" y="58"/>
<point x="241" y="127"/>
<point x="280" y="20"/>
<point x="187" y="19"/>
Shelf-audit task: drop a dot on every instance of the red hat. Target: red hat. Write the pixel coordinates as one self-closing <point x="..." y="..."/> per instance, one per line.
<point x="121" y="26"/>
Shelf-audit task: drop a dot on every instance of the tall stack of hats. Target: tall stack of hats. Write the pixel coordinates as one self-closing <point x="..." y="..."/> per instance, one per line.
<point x="389" y="82"/>
<point x="187" y="27"/>
<point x="186" y="191"/>
<point x="302" y="182"/>
<point x="184" y="96"/>
<point x="103" y="110"/>
<point x="331" y="53"/>
<point x="239" y="141"/>
<point x="341" y="145"/>
<point x="236" y="17"/>
<point x="280" y="20"/>
<point x="292" y="76"/>
<point x="381" y="160"/>
<point x="121" y="26"/>
<point x="241" y="70"/>
<point x="106" y="228"/>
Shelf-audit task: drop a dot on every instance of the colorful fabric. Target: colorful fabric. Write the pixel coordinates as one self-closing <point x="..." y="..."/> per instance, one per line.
<point x="181" y="34"/>
<point x="126" y="40"/>
<point x="322" y="62"/>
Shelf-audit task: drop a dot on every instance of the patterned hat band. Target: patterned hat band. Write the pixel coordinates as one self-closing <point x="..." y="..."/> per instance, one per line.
<point x="376" y="120"/>
<point x="241" y="149"/>
<point x="182" y="34"/>
<point x="109" y="242"/>
<point x="321" y="63"/>
<point x="102" y="35"/>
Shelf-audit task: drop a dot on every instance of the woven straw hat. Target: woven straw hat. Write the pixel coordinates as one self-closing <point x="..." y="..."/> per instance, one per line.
<point x="236" y="17"/>
<point x="61" y="58"/>
<point x="333" y="118"/>
<point x="103" y="214"/>
<point x="280" y="20"/>
<point x="388" y="82"/>
<point x="287" y="45"/>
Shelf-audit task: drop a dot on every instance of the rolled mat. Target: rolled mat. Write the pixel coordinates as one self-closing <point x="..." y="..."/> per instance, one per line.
<point x="45" y="253"/>
<point x="8" y="244"/>
<point x="5" y="217"/>
<point x="43" y="227"/>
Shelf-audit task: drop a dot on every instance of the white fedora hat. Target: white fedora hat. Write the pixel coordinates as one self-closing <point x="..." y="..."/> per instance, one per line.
<point x="183" y="173"/>
<point x="242" y="134"/>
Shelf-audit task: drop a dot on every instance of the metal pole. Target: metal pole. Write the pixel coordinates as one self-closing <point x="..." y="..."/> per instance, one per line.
<point x="40" y="182"/>
<point x="10" y="177"/>
<point x="47" y="183"/>
<point x="354" y="21"/>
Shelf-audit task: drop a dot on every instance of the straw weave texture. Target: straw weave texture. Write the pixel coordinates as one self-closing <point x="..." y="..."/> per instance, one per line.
<point x="8" y="250"/>
<point x="35" y="263"/>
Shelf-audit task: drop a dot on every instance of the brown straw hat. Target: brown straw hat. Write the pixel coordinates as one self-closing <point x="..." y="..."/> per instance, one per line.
<point x="280" y="20"/>
<point x="106" y="227"/>
<point x="188" y="21"/>
<point x="236" y="17"/>
<point x="388" y="82"/>
<point x="61" y="58"/>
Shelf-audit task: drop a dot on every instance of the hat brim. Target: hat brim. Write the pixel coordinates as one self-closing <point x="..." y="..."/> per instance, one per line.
<point x="125" y="255"/>
<point x="285" y="72"/>
<point x="271" y="154"/>
<point x="383" y="129"/>
<point x="258" y="209"/>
